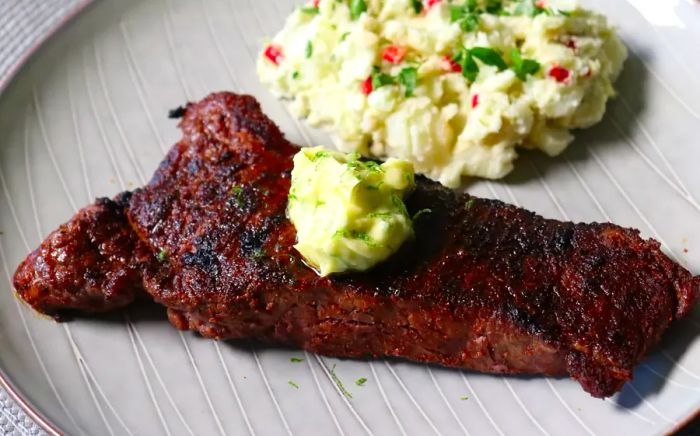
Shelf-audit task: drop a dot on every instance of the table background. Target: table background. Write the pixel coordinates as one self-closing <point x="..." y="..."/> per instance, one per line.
<point x="24" y="25"/>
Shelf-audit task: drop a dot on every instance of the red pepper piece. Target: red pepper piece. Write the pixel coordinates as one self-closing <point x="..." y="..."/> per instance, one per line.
<point x="315" y="3"/>
<point x="475" y="101"/>
<point x="274" y="54"/>
<point x="394" y="54"/>
<point x="367" y="86"/>
<point x="431" y="3"/>
<point x="561" y="74"/>
<point x="452" y="65"/>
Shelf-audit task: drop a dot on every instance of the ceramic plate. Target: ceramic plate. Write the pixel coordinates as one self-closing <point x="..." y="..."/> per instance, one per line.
<point x="86" y="117"/>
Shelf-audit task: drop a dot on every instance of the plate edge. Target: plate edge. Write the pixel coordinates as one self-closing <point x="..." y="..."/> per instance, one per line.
<point x="17" y="66"/>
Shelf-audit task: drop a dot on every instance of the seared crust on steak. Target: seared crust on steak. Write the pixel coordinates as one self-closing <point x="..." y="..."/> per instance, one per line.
<point x="484" y="285"/>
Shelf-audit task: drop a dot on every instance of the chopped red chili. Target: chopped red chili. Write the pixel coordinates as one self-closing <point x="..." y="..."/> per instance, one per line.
<point x="394" y="54"/>
<point x="274" y="54"/>
<point x="431" y="3"/>
<point x="315" y="3"/>
<point x="452" y="65"/>
<point x="367" y="86"/>
<point x="475" y="100"/>
<point x="561" y="74"/>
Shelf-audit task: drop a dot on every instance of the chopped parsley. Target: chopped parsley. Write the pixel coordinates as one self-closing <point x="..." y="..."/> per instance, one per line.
<point x="357" y="8"/>
<point x="467" y="15"/>
<point x="469" y="204"/>
<point x="344" y="36"/>
<point x="309" y="49"/>
<point x="318" y="155"/>
<point x="237" y="193"/>
<point x="523" y="67"/>
<point x="311" y="10"/>
<point x="339" y="383"/>
<point x="293" y="384"/>
<point x="354" y="234"/>
<point x="494" y="7"/>
<point x="470" y="69"/>
<point x="417" y="6"/>
<point x="296" y="359"/>
<point x="531" y="8"/>
<point x="464" y="398"/>
<point x="489" y="56"/>
<point x="381" y="215"/>
<point x="163" y="255"/>
<point x="361" y="381"/>
<point x="380" y="79"/>
<point x="421" y="213"/>
<point x="295" y="75"/>
<point x="408" y="77"/>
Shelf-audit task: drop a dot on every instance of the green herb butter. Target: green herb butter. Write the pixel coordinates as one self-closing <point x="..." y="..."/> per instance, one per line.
<point x="349" y="214"/>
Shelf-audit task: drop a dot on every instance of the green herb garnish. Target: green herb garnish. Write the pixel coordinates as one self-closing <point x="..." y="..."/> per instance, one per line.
<point x="357" y="8"/>
<point x="489" y="56"/>
<point x="339" y="383"/>
<point x="523" y="67"/>
<point x="361" y="381"/>
<point x="296" y="359"/>
<point x="309" y="49"/>
<point x="421" y="213"/>
<point x="295" y="75"/>
<point x="530" y="8"/>
<point x="417" y="6"/>
<point x="318" y="155"/>
<point x="380" y="79"/>
<point x="237" y="193"/>
<point x="408" y="77"/>
<point x="469" y="204"/>
<point x="344" y="36"/>
<point x="311" y="10"/>
<point x="470" y="69"/>
<point x="163" y="255"/>
<point x="494" y="7"/>
<point x="467" y="15"/>
<point x="465" y="398"/>
<point x="292" y="384"/>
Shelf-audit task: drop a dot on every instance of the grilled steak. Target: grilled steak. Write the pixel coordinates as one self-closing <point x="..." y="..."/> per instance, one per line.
<point x="484" y="285"/>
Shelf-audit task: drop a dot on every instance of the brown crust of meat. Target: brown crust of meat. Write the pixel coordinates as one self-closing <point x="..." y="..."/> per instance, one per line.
<point x="484" y="285"/>
<point x="92" y="263"/>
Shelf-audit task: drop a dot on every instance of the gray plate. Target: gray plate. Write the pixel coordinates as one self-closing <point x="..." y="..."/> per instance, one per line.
<point x="87" y="118"/>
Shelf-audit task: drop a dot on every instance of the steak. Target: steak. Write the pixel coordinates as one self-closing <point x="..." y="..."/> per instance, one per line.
<point x="484" y="285"/>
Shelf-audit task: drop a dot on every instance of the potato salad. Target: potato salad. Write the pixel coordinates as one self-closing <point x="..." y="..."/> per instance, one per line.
<point x="452" y="86"/>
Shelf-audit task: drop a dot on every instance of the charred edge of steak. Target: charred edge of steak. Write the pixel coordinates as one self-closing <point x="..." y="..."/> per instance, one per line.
<point x="91" y="264"/>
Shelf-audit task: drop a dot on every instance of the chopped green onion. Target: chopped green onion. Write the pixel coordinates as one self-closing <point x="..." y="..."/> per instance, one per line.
<point x="361" y="381"/>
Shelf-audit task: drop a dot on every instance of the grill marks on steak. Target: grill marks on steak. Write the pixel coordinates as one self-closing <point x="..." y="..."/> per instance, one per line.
<point x="484" y="285"/>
